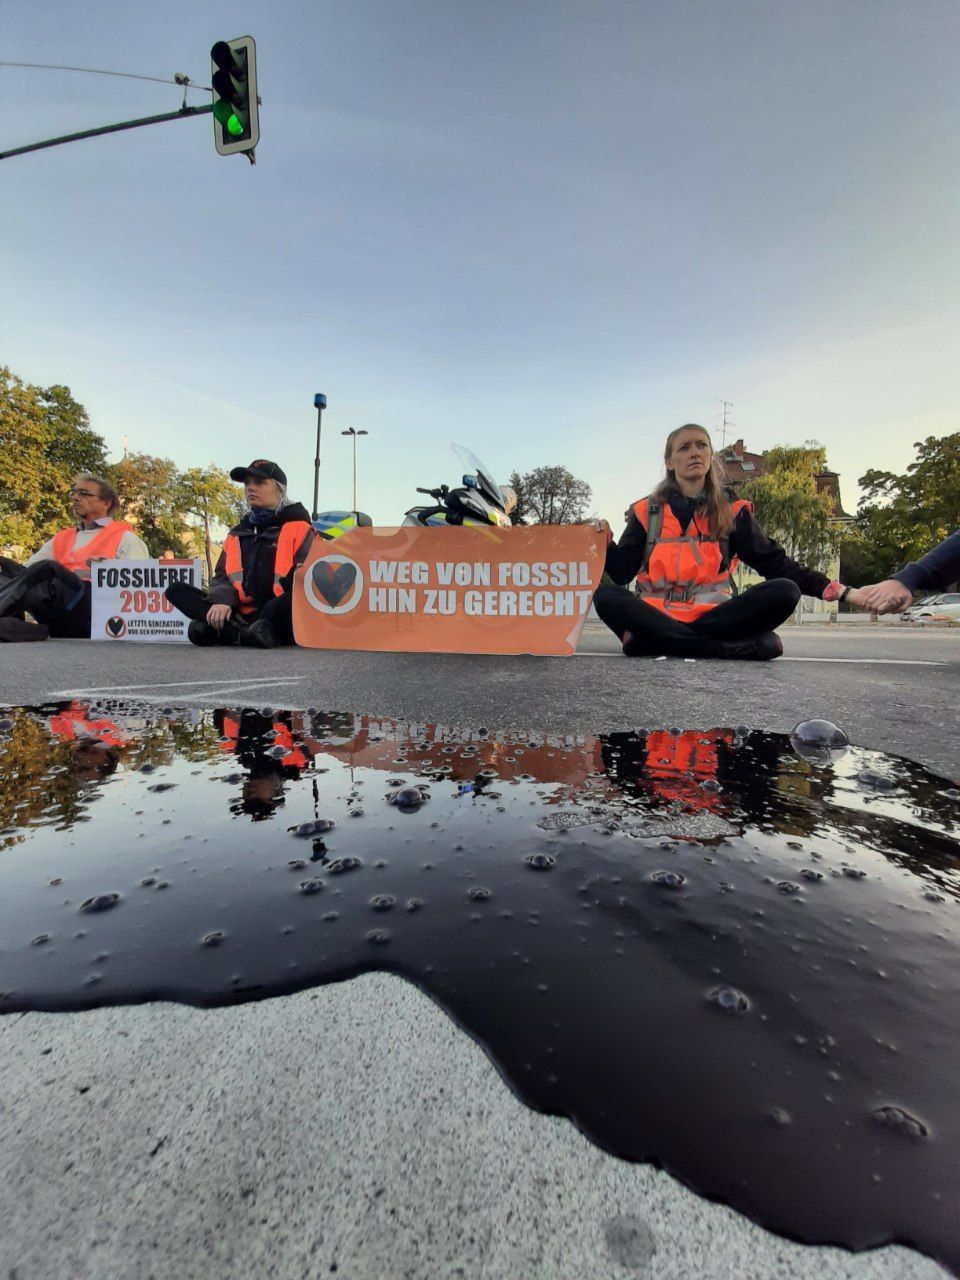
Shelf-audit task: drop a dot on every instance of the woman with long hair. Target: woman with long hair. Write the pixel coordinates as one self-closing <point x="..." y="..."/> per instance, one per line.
<point x="682" y="545"/>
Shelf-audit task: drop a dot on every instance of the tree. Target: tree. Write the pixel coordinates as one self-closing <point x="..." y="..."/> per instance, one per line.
<point x="550" y="495"/>
<point x="45" y="438"/>
<point x="902" y="516"/>
<point x="789" y="507"/>
<point x="210" y="495"/>
<point x="149" y="490"/>
<point x="519" y="513"/>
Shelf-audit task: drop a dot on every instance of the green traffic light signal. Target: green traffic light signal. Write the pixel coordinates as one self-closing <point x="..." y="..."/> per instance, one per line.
<point x="235" y="106"/>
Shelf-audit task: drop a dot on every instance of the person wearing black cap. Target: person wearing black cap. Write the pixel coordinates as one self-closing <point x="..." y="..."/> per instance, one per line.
<point x="249" y="600"/>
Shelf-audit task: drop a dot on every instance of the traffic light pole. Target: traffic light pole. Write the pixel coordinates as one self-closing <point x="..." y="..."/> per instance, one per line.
<point x="182" y="114"/>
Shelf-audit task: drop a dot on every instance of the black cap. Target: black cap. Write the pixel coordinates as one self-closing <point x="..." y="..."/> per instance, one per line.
<point x="259" y="467"/>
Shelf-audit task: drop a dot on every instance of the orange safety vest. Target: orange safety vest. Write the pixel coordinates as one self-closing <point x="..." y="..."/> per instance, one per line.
<point x="73" y="722"/>
<point x="289" y="541"/>
<point x="684" y="572"/>
<point x="282" y="737"/>
<point x="104" y="545"/>
<point x="677" y="763"/>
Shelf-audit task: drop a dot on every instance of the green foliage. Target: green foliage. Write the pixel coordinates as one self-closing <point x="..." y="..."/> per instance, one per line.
<point x="789" y="508"/>
<point x="550" y="495"/>
<point x="45" y="438"/>
<point x="149" y="496"/>
<point x="902" y="516"/>
<point x="208" y="494"/>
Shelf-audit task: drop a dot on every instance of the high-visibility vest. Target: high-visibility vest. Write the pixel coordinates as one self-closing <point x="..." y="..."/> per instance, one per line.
<point x="104" y="545"/>
<point x="685" y="572"/>
<point x="678" y="763"/>
<point x="74" y="722"/>
<point x="282" y="737"/>
<point x="289" y="541"/>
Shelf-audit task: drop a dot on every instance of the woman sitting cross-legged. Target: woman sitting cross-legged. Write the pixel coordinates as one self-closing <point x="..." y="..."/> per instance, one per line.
<point x="682" y="545"/>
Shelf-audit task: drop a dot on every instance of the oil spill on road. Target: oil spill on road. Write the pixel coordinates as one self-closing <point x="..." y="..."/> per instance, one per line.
<point x="711" y="949"/>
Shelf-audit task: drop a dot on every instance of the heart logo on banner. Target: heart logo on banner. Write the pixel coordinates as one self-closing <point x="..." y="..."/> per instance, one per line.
<point x="334" y="582"/>
<point x="116" y="626"/>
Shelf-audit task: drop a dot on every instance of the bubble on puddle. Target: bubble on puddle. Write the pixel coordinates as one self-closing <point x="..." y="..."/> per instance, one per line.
<point x="337" y="866"/>
<point x="540" y="861"/>
<point x="414" y="904"/>
<point x="162" y="786"/>
<point x="875" y="781"/>
<point x="901" y="1122"/>
<point x="310" y="887"/>
<point x="729" y="1000"/>
<point x="854" y="873"/>
<point x="383" y="902"/>
<point x="819" y="740"/>
<point x="298" y="864"/>
<point x="809" y="874"/>
<point x="147" y="768"/>
<point x="317" y="827"/>
<point x="788" y="887"/>
<point x="40" y="940"/>
<point x="212" y="939"/>
<point x="668" y="879"/>
<point x="477" y="893"/>
<point x="277" y="752"/>
<point x="266" y="712"/>
<point x="100" y="902"/>
<point x="379" y="937"/>
<point x="407" y="799"/>
<point x="780" y="1117"/>
<point x="710" y="784"/>
<point x="931" y="896"/>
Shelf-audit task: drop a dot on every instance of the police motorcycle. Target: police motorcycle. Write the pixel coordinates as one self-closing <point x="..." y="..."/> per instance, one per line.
<point x="479" y="501"/>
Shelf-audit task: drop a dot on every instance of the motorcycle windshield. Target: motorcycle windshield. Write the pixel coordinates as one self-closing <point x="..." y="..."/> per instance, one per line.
<point x="473" y="466"/>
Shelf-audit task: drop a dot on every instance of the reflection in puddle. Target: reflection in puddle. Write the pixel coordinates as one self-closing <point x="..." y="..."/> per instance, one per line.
<point x="705" y="949"/>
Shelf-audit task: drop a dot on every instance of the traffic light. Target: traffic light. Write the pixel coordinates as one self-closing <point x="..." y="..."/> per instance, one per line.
<point x="236" y="120"/>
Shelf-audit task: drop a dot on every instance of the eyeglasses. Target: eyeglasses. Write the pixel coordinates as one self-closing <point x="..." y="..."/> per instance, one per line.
<point x="82" y="493"/>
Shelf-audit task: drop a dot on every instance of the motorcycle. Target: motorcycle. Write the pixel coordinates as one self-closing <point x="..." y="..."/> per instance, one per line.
<point x="478" y="501"/>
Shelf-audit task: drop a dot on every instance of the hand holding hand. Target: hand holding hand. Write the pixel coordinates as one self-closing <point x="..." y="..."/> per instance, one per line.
<point x="857" y="596"/>
<point x="887" y="597"/>
<point x="218" y="615"/>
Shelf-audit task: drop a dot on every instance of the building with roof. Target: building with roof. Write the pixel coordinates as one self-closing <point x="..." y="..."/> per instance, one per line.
<point x="739" y="467"/>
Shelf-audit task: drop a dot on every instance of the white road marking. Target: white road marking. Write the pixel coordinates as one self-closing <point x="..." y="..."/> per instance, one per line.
<point x="178" y="684"/>
<point x="872" y="662"/>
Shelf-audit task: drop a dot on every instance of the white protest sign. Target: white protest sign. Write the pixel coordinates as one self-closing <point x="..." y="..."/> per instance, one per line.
<point x="128" y="601"/>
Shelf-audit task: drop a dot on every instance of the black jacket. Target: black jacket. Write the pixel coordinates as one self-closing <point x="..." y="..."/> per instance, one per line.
<point x="258" y="554"/>
<point x="747" y="541"/>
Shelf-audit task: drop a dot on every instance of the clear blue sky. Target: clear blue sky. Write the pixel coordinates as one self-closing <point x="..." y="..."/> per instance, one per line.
<point x="549" y="230"/>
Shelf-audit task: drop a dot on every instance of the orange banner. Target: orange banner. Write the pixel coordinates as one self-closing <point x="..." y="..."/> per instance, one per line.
<point x="419" y="590"/>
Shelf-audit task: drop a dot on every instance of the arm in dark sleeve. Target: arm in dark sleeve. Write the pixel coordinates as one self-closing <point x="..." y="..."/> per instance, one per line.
<point x="769" y="559"/>
<point x="221" y="590"/>
<point x="625" y="557"/>
<point x="936" y="570"/>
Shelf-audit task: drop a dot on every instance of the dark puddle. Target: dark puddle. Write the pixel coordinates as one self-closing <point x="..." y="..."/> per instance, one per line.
<point x="708" y="951"/>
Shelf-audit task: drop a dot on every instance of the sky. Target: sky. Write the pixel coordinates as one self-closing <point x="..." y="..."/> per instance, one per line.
<point x="548" y="230"/>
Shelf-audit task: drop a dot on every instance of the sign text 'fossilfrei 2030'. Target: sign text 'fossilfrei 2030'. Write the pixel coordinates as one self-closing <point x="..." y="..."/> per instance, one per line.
<point x="520" y="590"/>
<point x="128" y="600"/>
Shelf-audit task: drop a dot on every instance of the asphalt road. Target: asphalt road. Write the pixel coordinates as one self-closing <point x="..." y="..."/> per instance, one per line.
<point x="354" y="1129"/>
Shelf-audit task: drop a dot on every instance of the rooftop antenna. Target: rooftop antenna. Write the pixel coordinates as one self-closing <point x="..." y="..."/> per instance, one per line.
<point x="727" y="422"/>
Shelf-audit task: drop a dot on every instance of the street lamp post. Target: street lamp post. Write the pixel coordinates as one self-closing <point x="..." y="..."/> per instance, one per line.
<point x="320" y="403"/>
<point x="351" y="431"/>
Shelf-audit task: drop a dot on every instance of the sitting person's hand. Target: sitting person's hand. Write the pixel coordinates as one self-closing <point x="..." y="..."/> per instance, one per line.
<point x="887" y="597"/>
<point x="857" y="596"/>
<point x="218" y="615"/>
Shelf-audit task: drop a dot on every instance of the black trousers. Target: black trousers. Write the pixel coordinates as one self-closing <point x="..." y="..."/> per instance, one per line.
<point x="653" y="633"/>
<point x="54" y="595"/>
<point x="195" y="604"/>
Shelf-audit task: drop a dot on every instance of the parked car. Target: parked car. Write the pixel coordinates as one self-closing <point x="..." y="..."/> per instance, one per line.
<point x="934" y="608"/>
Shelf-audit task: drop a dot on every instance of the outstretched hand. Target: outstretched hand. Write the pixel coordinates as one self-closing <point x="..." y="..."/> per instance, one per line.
<point x="887" y="597"/>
